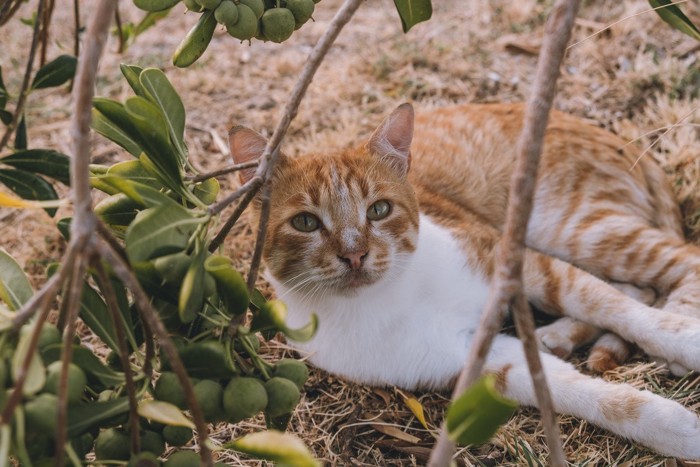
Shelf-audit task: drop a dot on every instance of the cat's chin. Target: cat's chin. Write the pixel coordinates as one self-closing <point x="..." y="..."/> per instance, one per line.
<point x="352" y="284"/>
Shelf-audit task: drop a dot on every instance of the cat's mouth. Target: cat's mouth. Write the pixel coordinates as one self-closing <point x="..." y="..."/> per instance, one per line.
<point x="353" y="280"/>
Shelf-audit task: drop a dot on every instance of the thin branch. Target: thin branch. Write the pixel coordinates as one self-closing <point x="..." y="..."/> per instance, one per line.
<point x="8" y="9"/>
<point x="506" y="286"/>
<point x="83" y="218"/>
<point x="74" y="294"/>
<point x="24" y="90"/>
<point x="150" y="317"/>
<point x="232" y="219"/>
<point x="76" y="19"/>
<point x="113" y="307"/>
<point x="120" y="30"/>
<point x="260" y="239"/>
<point x="251" y="185"/>
<point x="224" y="171"/>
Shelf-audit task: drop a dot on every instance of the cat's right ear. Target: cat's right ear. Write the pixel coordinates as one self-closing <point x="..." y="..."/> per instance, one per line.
<point x="246" y="146"/>
<point x="392" y="139"/>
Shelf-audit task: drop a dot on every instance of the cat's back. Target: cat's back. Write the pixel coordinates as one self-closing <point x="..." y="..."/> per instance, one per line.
<point x="464" y="155"/>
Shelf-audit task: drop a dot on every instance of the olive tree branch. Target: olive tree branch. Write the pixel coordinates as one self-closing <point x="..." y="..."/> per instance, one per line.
<point x="24" y="90"/>
<point x="224" y="171"/>
<point x="506" y="286"/>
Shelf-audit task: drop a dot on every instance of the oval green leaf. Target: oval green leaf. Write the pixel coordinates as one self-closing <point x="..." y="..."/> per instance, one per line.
<point x="41" y="161"/>
<point x="230" y="285"/>
<point x="83" y="418"/>
<point x="36" y="373"/>
<point x="476" y="415"/>
<point x="28" y="186"/>
<point x="163" y="412"/>
<point x="413" y="12"/>
<point x="109" y="118"/>
<point x="673" y="15"/>
<point x="272" y="445"/>
<point x="15" y="288"/>
<point x="159" y="231"/>
<point x="56" y="72"/>
<point x="196" y="41"/>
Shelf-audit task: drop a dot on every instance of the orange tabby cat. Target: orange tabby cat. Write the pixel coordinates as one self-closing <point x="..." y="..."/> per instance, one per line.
<point x="396" y="262"/>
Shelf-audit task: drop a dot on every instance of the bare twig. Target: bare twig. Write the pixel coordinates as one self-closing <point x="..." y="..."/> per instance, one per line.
<point x="76" y="19"/>
<point x="113" y="307"/>
<point x="71" y="319"/>
<point x="232" y="219"/>
<point x="8" y="9"/>
<point x="24" y="90"/>
<point x="120" y="30"/>
<point x="251" y="185"/>
<point x="506" y="286"/>
<point x="224" y="171"/>
<point x="260" y="239"/>
<point x="150" y="317"/>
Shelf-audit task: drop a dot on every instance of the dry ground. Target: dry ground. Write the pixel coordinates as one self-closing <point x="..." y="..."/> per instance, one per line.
<point x="636" y="78"/>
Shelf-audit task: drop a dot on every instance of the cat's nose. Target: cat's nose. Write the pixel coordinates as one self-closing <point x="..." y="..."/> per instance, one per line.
<point x="354" y="259"/>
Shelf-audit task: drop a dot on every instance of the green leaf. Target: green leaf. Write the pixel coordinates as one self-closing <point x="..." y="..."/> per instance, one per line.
<point x="673" y="15"/>
<point x="94" y="312"/>
<point x="476" y="415"/>
<point x="155" y="5"/>
<point x="131" y="73"/>
<point x="149" y="20"/>
<point x="155" y="141"/>
<point x="110" y="119"/>
<point x="117" y="209"/>
<point x="56" y="72"/>
<point x="230" y="285"/>
<point x="196" y="41"/>
<point x="192" y="297"/>
<point x="83" y="418"/>
<point x="162" y="93"/>
<point x="28" y="186"/>
<point x="5" y="117"/>
<point x="163" y="412"/>
<point x="207" y="190"/>
<point x="21" y="135"/>
<point x="144" y="195"/>
<point x="133" y="170"/>
<point x="3" y="92"/>
<point x="159" y="231"/>
<point x="273" y="315"/>
<point x="41" y="161"/>
<point x="283" y="448"/>
<point x="36" y="373"/>
<point x="15" y="288"/>
<point x="413" y="12"/>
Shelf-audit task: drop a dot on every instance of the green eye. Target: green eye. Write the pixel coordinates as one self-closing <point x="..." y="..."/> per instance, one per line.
<point x="306" y="222"/>
<point x="378" y="210"/>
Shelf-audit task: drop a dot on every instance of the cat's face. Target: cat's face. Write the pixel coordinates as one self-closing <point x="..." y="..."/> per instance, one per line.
<point x="338" y="222"/>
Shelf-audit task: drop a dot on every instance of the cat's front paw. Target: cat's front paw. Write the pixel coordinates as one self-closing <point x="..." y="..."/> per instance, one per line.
<point x="565" y="335"/>
<point x="676" y="369"/>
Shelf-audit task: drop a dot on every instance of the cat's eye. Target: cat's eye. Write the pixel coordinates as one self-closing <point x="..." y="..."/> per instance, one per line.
<point x="306" y="222"/>
<point x="378" y="210"/>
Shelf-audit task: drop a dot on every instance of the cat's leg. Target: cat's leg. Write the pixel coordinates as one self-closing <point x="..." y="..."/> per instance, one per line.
<point x="563" y="289"/>
<point x="646" y="418"/>
<point x="565" y="335"/>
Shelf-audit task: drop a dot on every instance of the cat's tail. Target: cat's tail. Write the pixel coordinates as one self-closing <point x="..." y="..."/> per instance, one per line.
<point x="666" y="211"/>
<point x="655" y="422"/>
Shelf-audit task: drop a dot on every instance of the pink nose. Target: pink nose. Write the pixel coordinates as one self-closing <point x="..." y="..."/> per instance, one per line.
<point x="354" y="259"/>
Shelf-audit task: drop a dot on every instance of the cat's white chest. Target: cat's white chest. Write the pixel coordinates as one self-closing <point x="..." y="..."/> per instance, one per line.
<point x="410" y="330"/>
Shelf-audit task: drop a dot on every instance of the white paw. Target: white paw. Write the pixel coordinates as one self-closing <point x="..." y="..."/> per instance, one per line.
<point x="677" y="432"/>
<point x="552" y="341"/>
<point x="676" y="369"/>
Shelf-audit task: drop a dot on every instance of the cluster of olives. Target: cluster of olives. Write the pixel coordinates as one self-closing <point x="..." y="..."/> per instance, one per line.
<point x="241" y="397"/>
<point x="266" y="20"/>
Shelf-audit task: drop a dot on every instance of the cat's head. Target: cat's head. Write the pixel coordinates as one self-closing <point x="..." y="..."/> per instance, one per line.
<point x="341" y="221"/>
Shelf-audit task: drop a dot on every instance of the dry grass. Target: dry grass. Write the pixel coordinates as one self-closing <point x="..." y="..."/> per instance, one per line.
<point x="636" y="78"/>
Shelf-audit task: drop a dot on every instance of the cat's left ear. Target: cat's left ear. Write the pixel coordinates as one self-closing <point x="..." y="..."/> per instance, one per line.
<point x="392" y="139"/>
<point x="246" y="146"/>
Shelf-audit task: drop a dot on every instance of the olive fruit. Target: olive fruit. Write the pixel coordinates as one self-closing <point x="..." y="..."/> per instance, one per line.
<point x="301" y="9"/>
<point x="282" y="394"/>
<point x="294" y="370"/>
<point x="226" y="13"/>
<point x="152" y="442"/>
<point x="41" y="414"/>
<point x="112" y="444"/>
<point x="209" y="4"/>
<point x="257" y="6"/>
<point x="177" y="435"/>
<point x="76" y="381"/>
<point x="48" y="335"/>
<point x="144" y="459"/>
<point x="277" y="24"/>
<point x="243" y="398"/>
<point x="246" y="26"/>
<point x="168" y="389"/>
<point x="193" y="5"/>
<point x="209" y="395"/>
<point x="182" y="459"/>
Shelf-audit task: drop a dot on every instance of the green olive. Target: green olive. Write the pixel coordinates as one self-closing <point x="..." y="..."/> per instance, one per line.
<point x="277" y="24"/>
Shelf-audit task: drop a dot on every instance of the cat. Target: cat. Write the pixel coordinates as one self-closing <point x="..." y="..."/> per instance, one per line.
<point x="391" y="243"/>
